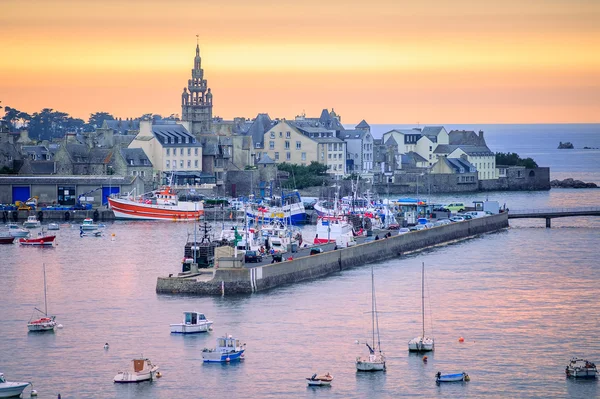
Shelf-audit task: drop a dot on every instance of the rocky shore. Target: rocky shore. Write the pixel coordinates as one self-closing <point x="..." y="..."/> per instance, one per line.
<point x="571" y="183"/>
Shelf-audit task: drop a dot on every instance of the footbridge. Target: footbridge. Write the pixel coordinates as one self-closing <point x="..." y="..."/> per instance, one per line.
<point x="551" y="213"/>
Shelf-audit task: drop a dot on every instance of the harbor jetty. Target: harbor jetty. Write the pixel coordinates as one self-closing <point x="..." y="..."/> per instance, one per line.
<point x="231" y="276"/>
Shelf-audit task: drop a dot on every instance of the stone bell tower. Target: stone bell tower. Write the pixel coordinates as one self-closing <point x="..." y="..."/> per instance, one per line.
<point x="196" y="101"/>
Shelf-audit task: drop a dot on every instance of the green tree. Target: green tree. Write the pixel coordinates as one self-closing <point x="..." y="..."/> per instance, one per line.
<point x="513" y="159"/>
<point x="97" y="118"/>
<point x="305" y="176"/>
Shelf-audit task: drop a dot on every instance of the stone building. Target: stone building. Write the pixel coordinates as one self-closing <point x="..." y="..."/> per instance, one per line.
<point x="359" y="144"/>
<point x="196" y="101"/>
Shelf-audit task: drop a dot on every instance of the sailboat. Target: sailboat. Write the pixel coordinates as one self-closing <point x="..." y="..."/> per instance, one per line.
<point x="376" y="359"/>
<point x="422" y="343"/>
<point x="44" y="323"/>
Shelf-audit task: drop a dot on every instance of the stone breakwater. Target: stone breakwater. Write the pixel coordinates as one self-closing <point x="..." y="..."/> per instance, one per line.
<point x="244" y="280"/>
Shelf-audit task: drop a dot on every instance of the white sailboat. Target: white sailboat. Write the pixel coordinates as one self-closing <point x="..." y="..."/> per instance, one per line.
<point x="376" y="359"/>
<point x="46" y="323"/>
<point x="422" y="343"/>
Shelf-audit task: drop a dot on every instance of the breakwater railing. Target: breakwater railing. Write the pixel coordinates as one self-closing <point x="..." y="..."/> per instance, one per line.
<point x="550" y="213"/>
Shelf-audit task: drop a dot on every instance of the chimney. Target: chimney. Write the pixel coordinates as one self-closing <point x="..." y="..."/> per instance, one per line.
<point x="481" y="134"/>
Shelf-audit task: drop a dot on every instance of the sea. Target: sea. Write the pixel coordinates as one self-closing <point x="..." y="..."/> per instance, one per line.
<point x="525" y="300"/>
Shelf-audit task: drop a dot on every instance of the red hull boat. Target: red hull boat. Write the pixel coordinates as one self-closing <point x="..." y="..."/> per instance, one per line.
<point x="7" y="240"/>
<point x="40" y="241"/>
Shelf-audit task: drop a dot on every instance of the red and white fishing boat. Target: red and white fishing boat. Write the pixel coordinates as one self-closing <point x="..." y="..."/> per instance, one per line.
<point x="164" y="204"/>
<point x="333" y="229"/>
<point x="41" y="240"/>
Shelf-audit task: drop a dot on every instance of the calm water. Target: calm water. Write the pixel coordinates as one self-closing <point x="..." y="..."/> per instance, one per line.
<point x="540" y="142"/>
<point x="525" y="300"/>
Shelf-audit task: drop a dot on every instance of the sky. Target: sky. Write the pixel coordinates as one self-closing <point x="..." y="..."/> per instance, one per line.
<point x="386" y="61"/>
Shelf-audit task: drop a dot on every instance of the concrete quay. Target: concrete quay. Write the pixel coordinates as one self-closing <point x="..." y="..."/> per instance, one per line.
<point x="245" y="280"/>
<point x="100" y="214"/>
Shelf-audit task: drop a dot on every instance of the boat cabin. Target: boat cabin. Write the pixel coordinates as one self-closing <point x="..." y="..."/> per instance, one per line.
<point x="166" y="197"/>
<point x="2" y="380"/>
<point x="193" y="318"/>
<point x="228" y="344"/>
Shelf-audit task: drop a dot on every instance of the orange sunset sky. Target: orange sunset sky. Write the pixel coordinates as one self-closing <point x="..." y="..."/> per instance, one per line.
<point x="387" y="61"/>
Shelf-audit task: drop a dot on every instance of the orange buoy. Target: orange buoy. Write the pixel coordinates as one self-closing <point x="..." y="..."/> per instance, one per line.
<point x="461" y="339"/>
<point x="424" y="359"/>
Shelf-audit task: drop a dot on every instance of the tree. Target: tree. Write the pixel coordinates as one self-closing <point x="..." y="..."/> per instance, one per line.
<point x="513" y="159"/>
<point x="11" y="116"/>
<point x="97" y="119"/>
<point x="48" y="124"/>
<point x="305" y="176"/>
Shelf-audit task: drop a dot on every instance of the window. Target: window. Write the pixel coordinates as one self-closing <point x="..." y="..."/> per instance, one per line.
<point x="280" y="134"/>
<point x="334" y="156"/>
<point x="133" y="173"/>
<point x="329" y="147"/>
<point x="168" y="164"/>
<point x="272" y="135"/>
<point x="329" y="156"/>
<point x="304" y="156"/>
<point x="168" y="151"/>
<point x="430" y="148"/>
<point x="189" y="152"/>
<point x="142" y="173"/>
<point x="288" y="156"/>
<point x="195" y="151"/>
<point x="298" y="145"/>
<point x="181" y="164"/>
<point x="196" y="163"/>
<point x="288" y="135"/>
<point x="181" y="151"/>
<point x="277" y="156"/>
<point x="340" y="166"/>
<point x="189" y="164"/>
<point x="287" y="145"/>
<point x="322" y="155"/>
<point x="271" y="145"/>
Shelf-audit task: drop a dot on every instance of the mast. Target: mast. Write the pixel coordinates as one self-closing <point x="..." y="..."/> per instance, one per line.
<point x="45" y="301"/>
<point x="423" y="297"/>
<point x="373" y="305"/>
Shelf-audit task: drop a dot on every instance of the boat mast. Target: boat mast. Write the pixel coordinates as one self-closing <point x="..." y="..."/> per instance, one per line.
<point x="373" y="305"/>
<point x="423" y="297"/>
<point x="45" y="301"/>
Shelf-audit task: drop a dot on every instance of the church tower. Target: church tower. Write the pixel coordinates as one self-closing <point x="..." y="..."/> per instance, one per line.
<point x="196" y="102"/>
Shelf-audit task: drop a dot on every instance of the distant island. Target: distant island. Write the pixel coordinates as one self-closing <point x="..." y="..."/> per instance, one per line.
<point x="571" y="183"/>
<point x="590" y="148"/>
<point x="568" y="145"/>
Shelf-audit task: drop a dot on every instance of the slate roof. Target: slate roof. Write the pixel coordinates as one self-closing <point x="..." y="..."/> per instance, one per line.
<point x="412" y="158"/>
<point x="260" y="125"/>
<point x="100" y="155"/>
<point x="327" y="140"/>
<point x="265" y="160"/>
<point x="468" y="149"/>
<point x="42" y="167"/>
<point x="137" y="155"/>
<point x="432" y="130"/>
<point x="123" y="126"/>
<point x="173" y="135"/>
<point x="363" y="125"/>
<point x="391" y="141"/>
<point x="465" y="137"/>
<point x="458" y="163"/>
<point x="353" y="134"/>
<point x="39" y="152"/>
<point x="77" y="152"/>
<point x="444" y="149"/>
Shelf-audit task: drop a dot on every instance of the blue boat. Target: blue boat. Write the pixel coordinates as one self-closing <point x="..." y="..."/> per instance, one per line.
<point x="228" y="349"/>
<point x="439" y="377"/>
<point x="289" y="208"/>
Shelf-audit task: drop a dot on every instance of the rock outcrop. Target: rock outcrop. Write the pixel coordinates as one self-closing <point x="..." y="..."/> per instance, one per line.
<point x="567" y="145"/>
<point x="571" y="183"/>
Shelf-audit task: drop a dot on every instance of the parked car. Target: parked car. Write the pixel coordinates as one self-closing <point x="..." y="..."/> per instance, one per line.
<point x="252" y="256"/>
<point x="277" y="258"/>
<point x="393" y="226"/>
<point x="441" y="209"/>
<point x="465" y="216"/>
<point x="314" y="251"/>
<point x="457" y="219"/>
<point x="429" y="225"/>
<point x="403" y="230"/>
<point x="456" y="207"/>
<point x="443" y="222"/>
<point x="418" y="227"/>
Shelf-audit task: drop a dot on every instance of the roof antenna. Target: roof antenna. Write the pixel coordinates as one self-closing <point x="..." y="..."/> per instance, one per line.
<point x="197" y="40"/>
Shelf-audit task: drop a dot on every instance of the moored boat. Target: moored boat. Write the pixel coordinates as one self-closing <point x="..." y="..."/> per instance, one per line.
<point x="228" y="349"/>
<point x="288" y="207"/>
<point x="376" y="359"/>
<point x="11" y="389"/>
<point x="40" y="240"/>
<point x="581" y="368"/>
<point x="7" y="239"/>
<point x="88" y="224"/>
<point x="163" y="204"/>
<point x="193" y="322"/>
<point x="422" y="343"/>
<point x="46" y="323"/>
<point x="140" y="370"/>
<point x="53" y="226"/>
<point x="31" y="222"/>
<point x="333" y="229"/>
<point x="320" y="380"/>
<point x="16" y="231"/>
<point x="439" y="377"/>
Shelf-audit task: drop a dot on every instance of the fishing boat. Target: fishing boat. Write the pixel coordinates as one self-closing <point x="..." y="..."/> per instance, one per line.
<point x="193" y="322"/>
<point x="320" y="380"/>
<point x="333" y="229"/>
<point x="439" y="377"/>
<point x="41" y="240"/>
<point x="7" y="239"/>
<point x="228" y="349"/>
<point x="16" y="231"/>
<point x="278" y="236"/>
<point x="422" y="343"/>
<point x="31" y="222"/>
<point x="287" y="207"/>
<point x="141" y="370"/>
<point x="53" y="226"/>
<point x="162" y="204"/>
<point x="581" y="368"/>
<point x="88" y="224"/>
<point x="10" y="389"/>
<point x="46" y="323"/>
<point x="376" y="359"/>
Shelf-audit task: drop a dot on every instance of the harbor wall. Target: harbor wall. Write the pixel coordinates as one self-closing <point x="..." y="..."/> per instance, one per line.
<point x="309" y="267"/>
<point x="100" y="214"/>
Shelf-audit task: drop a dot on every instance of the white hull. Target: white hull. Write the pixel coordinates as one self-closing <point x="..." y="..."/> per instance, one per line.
<point x="31" y="225"/>
<point x="127" y="377"/>
<point x="89" y="227"/>
<point x="181" y="328"/>
<point x="12" y="389"/>
<point x="41" y="327"/>
<point x="22" y="233"/>
<point x="370" y="366"/>
<point x="421" y="345"/>
<point x="319" y="383"/>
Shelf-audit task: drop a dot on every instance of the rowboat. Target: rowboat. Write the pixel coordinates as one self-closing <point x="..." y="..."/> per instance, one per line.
<point x="7" y="239"/>
<point x="320" y="380"/>
<point x="439" y="377"/>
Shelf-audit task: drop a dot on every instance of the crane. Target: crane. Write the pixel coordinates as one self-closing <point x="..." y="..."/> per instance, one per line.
<point x="79" y="205"/>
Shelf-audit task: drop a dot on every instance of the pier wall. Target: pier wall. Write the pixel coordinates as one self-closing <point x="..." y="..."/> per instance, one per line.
<point x="269" y="276"/>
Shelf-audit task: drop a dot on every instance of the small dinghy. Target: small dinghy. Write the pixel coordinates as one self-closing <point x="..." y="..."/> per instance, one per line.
<point x="320" y="380"/>
<point x="53" y="226"/>
<point x="141" y="370"/>
<point x="9" y="389"/>
<point x="439" y="377"/>
<point x="581" y="368"/>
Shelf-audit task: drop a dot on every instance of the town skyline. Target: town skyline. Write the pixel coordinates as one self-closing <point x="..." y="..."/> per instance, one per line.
<point x="385" y="62"/>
